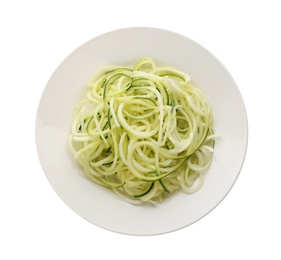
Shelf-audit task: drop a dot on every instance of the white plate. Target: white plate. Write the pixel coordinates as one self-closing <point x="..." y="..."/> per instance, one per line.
<point x="68" y="85"/>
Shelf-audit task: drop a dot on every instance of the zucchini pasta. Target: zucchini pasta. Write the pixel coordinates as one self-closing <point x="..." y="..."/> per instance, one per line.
<point x="143" y="132"/>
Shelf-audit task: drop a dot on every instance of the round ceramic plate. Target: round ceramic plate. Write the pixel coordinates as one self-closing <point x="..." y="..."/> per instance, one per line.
<point x="68" y="85"/>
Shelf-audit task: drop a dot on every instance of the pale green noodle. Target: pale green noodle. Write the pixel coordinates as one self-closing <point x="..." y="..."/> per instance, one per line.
<point x="143" y="132"/>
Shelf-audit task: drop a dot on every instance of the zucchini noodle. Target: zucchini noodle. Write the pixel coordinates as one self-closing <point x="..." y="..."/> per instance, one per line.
<point x="143" y="132"/>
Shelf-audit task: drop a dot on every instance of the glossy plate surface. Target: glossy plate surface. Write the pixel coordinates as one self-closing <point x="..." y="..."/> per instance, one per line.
<point x="68" y="85"/>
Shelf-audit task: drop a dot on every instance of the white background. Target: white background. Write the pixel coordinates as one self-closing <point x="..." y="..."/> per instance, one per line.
<point x="35" y="36"/>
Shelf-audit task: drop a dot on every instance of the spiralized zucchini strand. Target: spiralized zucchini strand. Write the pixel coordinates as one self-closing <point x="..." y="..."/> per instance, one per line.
<point x="143" y="132"/>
